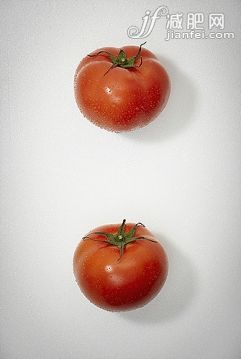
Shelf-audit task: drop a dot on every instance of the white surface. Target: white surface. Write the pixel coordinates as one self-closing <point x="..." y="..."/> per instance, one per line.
<point x="61" y="176"/>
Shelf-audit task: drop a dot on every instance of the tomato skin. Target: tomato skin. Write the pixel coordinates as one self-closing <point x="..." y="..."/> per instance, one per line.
<point x="122" y="99"/>
<point x="115" y="283"/>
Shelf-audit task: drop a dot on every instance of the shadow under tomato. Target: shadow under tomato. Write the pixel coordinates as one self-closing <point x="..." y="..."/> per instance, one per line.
<point x="176" y="294"/>
<point x="179" y="110"/>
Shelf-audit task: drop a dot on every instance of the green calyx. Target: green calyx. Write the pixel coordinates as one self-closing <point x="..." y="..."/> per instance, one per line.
<point x="121" y="238"/>
<point x="121" y="60"/>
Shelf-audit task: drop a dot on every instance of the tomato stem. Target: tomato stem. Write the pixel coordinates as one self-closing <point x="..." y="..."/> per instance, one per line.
<point x="121" y="60"/>
<point x="121" y="238"/>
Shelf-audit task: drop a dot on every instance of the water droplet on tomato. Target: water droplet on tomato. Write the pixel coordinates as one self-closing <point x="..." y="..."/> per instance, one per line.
<point x="108" y="268"/>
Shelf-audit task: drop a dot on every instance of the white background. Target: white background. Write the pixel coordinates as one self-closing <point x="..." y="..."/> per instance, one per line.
<point x="62" y="176"/>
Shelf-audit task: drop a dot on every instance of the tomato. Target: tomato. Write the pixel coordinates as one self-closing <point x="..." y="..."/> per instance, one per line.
<point x="120" y="267"/>
<point x="121" y="89"/>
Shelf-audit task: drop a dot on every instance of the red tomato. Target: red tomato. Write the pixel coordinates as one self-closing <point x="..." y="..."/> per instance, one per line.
<point x="121" y="89"/>
<point x="120" y="267"/>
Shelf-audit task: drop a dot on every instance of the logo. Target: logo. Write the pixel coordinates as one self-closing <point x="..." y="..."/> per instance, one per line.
<point x="192" y="25"/>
